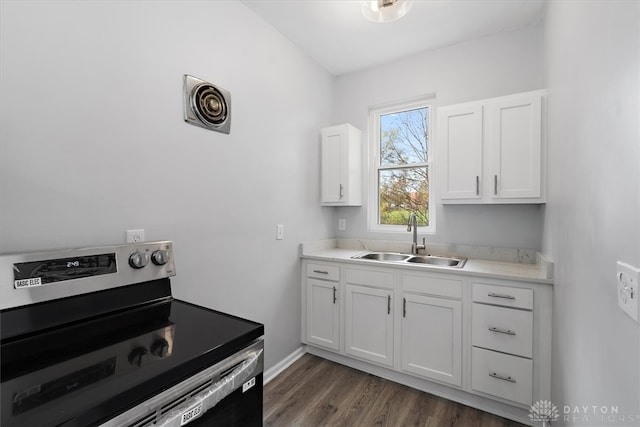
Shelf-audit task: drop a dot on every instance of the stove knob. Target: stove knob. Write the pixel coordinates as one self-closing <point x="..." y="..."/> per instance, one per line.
<point x="138" y="259"/>
<point x="160" y="257"/>
<point x="138" y="356"/>
<point x="160" y="348"/>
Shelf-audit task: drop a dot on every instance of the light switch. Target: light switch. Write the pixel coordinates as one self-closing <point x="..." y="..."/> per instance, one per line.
<point x="279" y="232"/>
<point x="627" y="280"/>
<point x="342" y="224"/>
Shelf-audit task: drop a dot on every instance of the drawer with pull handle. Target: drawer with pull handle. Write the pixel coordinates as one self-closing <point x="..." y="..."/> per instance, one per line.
<point x="502" y="375"/>
<point x="506" y="296"/>
<point x="323" y="271"/>
<point x="502" y="329"/>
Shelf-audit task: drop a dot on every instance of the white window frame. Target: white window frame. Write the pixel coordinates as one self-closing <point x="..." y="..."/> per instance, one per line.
<point x="374" y="164"/>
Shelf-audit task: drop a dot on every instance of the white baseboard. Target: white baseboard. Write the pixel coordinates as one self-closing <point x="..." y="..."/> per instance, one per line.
<point x="277" y="369"/>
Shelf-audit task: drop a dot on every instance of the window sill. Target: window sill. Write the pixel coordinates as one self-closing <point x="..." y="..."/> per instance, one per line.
<point x="398" y="229"/>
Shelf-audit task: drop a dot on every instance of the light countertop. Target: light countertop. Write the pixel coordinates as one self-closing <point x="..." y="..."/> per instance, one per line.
<point x="539" y="272"/>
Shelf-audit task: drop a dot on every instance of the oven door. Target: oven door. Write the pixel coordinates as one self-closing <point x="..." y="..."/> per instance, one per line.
<point x="226" y="394"/>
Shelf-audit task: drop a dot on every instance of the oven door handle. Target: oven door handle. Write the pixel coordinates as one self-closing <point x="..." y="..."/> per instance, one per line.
<point x="199" y="404"/>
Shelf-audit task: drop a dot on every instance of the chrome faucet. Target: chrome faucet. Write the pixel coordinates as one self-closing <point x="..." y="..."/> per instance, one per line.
<point x="413" y="222"/>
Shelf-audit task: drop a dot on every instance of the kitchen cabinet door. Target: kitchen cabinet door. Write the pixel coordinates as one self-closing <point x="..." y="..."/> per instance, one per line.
<point x="492" y="151"/>
<point x="515" y="135"/>
<point x="341" y="179"/>
<point x="432" y="338"/>
<point x="323" y="313"/>
<point x="460" y="130"/>
<point x="369" y="324"/>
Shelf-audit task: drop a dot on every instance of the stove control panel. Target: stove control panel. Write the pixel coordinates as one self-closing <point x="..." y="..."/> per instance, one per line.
<point x="34" y="277"/>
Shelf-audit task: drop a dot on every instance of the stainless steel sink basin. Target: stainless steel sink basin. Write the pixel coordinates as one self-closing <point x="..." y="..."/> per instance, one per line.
<point x="384" y="256"/>
<point x="436" y="261"/>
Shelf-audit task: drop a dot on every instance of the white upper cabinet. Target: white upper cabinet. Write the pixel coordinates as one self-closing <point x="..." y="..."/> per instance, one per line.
<point x="460" y="131"/>
<point x="515" y="131"/>
<point x="492" y="151"/>
<point x="341" y="177"/>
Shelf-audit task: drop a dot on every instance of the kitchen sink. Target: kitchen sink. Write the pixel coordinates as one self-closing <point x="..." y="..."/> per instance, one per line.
<point x="385" y="256"/>
<point x="436" y="261"/>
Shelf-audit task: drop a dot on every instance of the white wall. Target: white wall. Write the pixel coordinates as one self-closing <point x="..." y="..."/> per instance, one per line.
<point x="592" y="219"/>
<point x="483" y="68"/>
<point x="93" y="143"/>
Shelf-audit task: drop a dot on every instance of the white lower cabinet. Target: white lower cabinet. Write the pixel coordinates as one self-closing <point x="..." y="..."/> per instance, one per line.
<point x="476" y="336"/>
<point x="369" y="324"/>
<point x="503" y="329"/>
<point x="502" y="375"/>
<point x="432" y="338"/>
<point x="321" y="326"/>
<point x="323" y="314"/>
<point x="508" y="359"/>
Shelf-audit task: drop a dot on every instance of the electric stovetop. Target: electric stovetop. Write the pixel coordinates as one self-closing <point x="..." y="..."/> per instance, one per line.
<point x="89" y="370"/>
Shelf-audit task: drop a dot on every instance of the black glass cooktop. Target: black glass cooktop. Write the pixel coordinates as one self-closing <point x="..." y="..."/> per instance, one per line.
<point x="87" y="371"/>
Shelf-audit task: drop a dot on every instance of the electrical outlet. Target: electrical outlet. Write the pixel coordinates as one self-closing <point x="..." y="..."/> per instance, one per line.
<point x="279" y="232"/>
<point x="135" y="236"/>
<point x="627" y="280"/>
<point x="342" y="224"/>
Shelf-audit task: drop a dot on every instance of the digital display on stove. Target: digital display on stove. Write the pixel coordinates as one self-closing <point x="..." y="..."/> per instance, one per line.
<point x="37" y="273"/>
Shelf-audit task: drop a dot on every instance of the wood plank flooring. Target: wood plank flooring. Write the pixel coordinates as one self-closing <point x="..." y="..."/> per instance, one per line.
<point x="317" y="392"/>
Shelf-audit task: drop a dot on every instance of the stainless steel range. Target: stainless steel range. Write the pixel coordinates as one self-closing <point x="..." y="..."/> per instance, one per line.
<point x="93" y="336"/>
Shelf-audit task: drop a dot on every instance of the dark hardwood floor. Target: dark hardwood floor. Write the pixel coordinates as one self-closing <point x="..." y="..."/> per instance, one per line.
<point x="316" y="392"/>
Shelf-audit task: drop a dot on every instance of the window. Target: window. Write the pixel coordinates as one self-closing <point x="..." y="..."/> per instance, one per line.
<point x="401" y="167"/>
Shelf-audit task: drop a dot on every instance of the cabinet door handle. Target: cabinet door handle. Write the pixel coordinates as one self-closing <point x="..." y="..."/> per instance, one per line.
<point x="341" y="191"/>
<point x="334" y="294"/>
<point x="320" y="272"/>
<point x="477" y="185"/>
<point x="388" y="304"/>
<point x="502" y="331"/>
<point x="404" y="307"/>
<point x="505" y="296"/>
<point x="502" y="377"/>
<point x="495" y="185"/>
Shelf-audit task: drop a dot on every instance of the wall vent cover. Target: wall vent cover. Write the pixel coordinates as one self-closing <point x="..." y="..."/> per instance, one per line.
<point x="206" y="105"/>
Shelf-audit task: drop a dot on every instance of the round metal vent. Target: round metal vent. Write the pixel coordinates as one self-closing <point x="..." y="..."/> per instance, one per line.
<point x="206" y="105"/>
<point x="209" y="104"/>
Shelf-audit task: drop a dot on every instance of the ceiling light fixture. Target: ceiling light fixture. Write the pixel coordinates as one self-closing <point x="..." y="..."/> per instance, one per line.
<point x="385" y="10"/>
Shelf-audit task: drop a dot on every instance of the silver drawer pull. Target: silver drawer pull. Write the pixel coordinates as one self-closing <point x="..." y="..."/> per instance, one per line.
<point x="320" y="272"/>
<point x="505" y="296"/>
<point x="502" y="331"/>
<point x="501" y="377"/>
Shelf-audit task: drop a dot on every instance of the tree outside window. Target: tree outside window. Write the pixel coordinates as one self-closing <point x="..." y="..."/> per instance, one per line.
<point x="402" y="165"/>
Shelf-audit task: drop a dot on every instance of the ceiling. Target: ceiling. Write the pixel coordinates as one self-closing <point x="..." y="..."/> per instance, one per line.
<point x="342" y="40"/>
